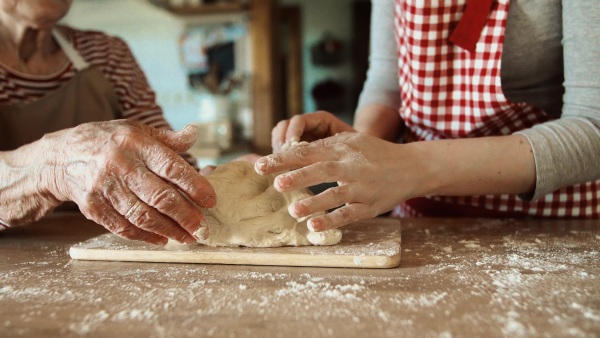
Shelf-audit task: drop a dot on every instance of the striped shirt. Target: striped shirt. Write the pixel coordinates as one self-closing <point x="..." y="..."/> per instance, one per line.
<point x="112" y="56"/>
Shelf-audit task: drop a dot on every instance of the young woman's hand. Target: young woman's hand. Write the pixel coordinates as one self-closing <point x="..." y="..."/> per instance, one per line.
<point x="373" y="176"/>
<point x="307" y="127"/>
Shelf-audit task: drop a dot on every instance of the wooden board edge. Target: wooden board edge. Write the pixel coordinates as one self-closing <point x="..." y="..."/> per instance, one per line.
<point x="328" y="261"/>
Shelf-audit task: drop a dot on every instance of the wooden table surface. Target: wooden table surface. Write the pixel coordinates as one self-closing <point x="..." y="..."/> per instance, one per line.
<point x="458" y="277"/>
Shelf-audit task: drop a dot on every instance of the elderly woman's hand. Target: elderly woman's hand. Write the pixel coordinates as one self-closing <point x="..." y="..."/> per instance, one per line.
<point x="129" y="178"/>
<point x="373" y="176"/>
<point x="307" y="127"/>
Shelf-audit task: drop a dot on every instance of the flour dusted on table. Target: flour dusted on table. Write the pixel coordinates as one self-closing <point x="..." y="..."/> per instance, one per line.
<point x="250" y="212"/>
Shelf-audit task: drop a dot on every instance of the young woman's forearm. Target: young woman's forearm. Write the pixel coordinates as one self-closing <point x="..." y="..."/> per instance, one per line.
<point x="379" y="121"/>
<point x="477" y="166"/>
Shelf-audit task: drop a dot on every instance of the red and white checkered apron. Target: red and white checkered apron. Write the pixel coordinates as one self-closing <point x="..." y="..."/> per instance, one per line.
<point x="449" y="57"/>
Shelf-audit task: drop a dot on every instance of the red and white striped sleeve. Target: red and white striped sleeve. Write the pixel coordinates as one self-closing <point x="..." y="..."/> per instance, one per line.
<point x="3" y="225"/>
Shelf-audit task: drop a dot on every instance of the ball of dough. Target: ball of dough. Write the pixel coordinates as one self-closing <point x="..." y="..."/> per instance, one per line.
<point x="250" y="212"/>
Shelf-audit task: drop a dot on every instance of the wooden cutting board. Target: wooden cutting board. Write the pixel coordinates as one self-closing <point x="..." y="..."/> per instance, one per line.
<point x="371" y="243"/>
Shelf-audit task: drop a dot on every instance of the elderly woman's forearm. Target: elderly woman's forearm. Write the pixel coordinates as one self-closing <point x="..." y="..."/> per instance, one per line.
<point x="24" y="197"/>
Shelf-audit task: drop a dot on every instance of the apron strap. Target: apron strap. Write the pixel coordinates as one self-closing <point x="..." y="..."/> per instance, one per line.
<point x="78" y="61"/>
<point x="471" y="24"/>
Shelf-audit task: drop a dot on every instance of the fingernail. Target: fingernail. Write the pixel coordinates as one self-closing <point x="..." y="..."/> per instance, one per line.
<point x="297" y="210"/>
<point x="211" y="202"/>
<point x="202" y="232"/>
<point x="261" y="166"/>
<point x="283" y="181"/>
<point x="314" y="225"/>
<point x="292" y="211"/>
<point x="190" y="130"/>
<point x="208" y="201"/>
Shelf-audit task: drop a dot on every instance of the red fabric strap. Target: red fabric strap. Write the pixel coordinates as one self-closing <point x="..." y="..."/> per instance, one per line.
<point x="469" y="28"/>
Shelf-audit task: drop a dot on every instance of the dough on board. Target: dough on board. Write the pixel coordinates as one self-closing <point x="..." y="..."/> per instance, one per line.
<point x="250" y="212"/>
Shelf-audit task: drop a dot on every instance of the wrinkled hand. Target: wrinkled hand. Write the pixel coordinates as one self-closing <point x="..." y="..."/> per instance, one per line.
<point x="129" y="178"/>
<point x="307" y="127"/>
<point x="373" y="176"/>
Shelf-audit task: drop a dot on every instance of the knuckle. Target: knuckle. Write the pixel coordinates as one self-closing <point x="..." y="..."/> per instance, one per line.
<point x="328" y="115"/>
<point x="136" y="214"/>
<point x="139" y="173"/>
<point x="126" y="129"/>
<point x="318" y="143"/>
<point x="124" y="133"/>
<point x="296" y="119"/>
<point x="165" y="200"/>
<point x="110" y="156"/>
<point x="103" y="181"/>
<point x="275" y="159"/>
<point x="89" y="201"/>
<point x="81" y="130"/>
<point x="329" y="169"/>
<point x="281" y="124"/>
<point x="343" y="147"/>
<point x="346" y="215"/>
<point x="142" y="216"/>
<point x="134" y="178"/>
<point x="98" y="216"/>
<point x="175" y="170"/>
<point x="301" y="152"/>
<point x="339" y="195"/>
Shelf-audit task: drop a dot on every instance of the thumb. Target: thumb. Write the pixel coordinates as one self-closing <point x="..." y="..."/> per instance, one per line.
<point x="178" y="140"/>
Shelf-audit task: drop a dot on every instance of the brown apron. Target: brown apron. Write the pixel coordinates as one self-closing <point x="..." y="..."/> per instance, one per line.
<point x="87" y="97"/>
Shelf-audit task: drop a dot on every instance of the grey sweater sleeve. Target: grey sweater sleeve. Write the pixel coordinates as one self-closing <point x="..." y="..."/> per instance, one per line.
<point x="382" y="85"/>
<point x="567" y="150"/>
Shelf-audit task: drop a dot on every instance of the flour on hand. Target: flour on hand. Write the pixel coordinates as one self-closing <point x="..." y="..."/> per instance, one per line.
<point x="250" y="212"/>
<point x="293" y="143"/>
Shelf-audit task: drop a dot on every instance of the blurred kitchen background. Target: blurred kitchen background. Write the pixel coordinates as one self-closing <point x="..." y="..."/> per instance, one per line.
<point x="237" y="67"/>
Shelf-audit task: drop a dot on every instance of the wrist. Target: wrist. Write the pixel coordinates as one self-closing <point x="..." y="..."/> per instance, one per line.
<point x="50" y="169"/>
<point x="25" y="197"/>
<point x="429" y="176"/>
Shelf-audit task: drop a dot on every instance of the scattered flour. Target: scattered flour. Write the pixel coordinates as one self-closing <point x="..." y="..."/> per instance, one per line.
<point x="470" y="244"/>
<point x="338" y="292"/>
<point x="517" y="285"/>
